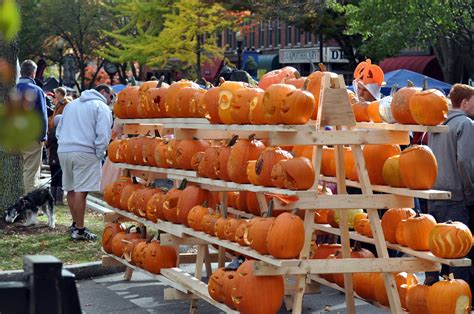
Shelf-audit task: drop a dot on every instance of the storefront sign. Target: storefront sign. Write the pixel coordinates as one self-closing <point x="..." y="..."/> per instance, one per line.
<point x="307" y="55"/>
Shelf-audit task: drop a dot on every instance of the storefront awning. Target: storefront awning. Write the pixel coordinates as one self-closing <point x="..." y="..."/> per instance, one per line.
<point x="210" y="69"/>
<point x="268" y="62"/>
<point x="427" y="65"/>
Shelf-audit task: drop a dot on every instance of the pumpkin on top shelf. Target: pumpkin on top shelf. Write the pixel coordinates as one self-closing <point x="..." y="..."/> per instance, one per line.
<point x="429" y="106"/>
<point x="277" y="76"/>
<point x="400" y="104"/>
<point x="451" y="239"/>
<point x="418" y="167"/>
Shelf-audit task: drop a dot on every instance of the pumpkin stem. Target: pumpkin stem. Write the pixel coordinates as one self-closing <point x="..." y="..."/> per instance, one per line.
<point x="205" y="203"/>
<point x="252" y="137"/>
<point x="270" y="209"/>
<point x="223" y="210"/>
<point x="157" y="133"/>
<point x="297" y="74"/>
<point x="195" y="138"/>
<point x="143" y="232"/>
<point x="393" y="89"/>
<point x="233" y="140"/>
<point x="425" y="83"/>
<point x="410" y="84"/>
<point x="450" y="276"/>
<point x="134" y="180"/>
<point x="183" y="184"/>
<point x="259" y="166"/>
<point x="130" y="228"/>
<point x="160" y="82"/>
<point x="417" y="211"/>
<point x="221" y="80"/>
<point x="322" y="67"/>
<point x="357" y="246"/>
<point x="305" y="85"/>
<point x="294" y="211"/>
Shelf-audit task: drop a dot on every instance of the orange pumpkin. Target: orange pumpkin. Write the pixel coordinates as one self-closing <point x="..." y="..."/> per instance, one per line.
<point x="257" y="113"/>
<point x="401" y="281"/>
<point x="391" y="172"/>
<point x="161" y="150"/>
<point x="127" y="191"/>
<point x="241" y="153"/>
<point x="362" y="283"/>
<point x="256" y="234"/>
<point x="120" y="107"/>
<point x="244" y="295"/>
<point x="155" y="100"/>
<point x="328" y="162"/>
<point x="285" y="237"/>
<point x="110" y="230"/>
<point x="390" y="220"/>
<point x="267" y="160"/>
<point x="191" y="196"/>
<point x="416" y="299"/>
<point x="118" y="246"/>
<point x="349" y="165"/>
<point x="251" y="172"/>
<point x="277" y="76"/>
<point x="210" y="101"/>
<point x="186" y="102"/>
<point x="171" y="100"/>
<point x="154" y="207"/>
<point x="220" y="163"/>
<point x="449" y="296"/>
<point x="418" y="167"/>
<point x="298" y="106"/>
<point x="146" y="105"/>
<point x="159" y="256"/>
<point x="450" y="240"/>
<point x="375" y="157"/>
<point x="417" y="231"/>
<point x="138" y="201"/>
<point x="195" y="217"/>
<point x="208" y="223"/>
<point x="214" y="286"/>
<point x="132" y="102"/>
<point x="240" y="232"/>
<point x="171" y="153"/>
<point x="243" y="99"/>
<point x="360" y="109"/>
<point x="373" y="111"/>
<point x="429" y="106"/>
<point x="297" y="82"/>
<point x="400" y="105"/>
<point x="226" y="95"/>
<point x="170" y="203"/>
<point x="196" y="160"/>
<point x="134" y="252"/>
<point x="273" y="100"/>
<point x="206" y="166"/>
<point x="293" y="174"/>
<point x="186" y="150"/>
<point x="314" y="87"/>
<point x="400" y="233"/>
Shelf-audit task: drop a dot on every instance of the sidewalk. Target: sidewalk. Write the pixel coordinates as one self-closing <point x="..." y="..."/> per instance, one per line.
<point x="111" y="294"/>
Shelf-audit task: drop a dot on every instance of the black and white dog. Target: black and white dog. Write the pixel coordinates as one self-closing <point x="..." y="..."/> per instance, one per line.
<point x="28" y="205"/>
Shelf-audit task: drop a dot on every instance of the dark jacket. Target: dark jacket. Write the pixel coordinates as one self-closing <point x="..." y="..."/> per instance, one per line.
<point x="26" y="84"/>
<point x="454" y="153"/>
<point x="52" y="146"/>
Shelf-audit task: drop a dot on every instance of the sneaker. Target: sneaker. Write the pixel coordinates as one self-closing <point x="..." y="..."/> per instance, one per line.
<point x="84" y="234"/>
<point x="71" y="228"/>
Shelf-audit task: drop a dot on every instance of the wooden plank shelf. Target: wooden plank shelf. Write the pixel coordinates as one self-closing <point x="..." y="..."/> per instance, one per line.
<point x="195" y="286"/>
<point x="179" y="172"/>
<point x="425" y="194"/>
<point x="323" y="281"/>
<point x="402" y="127"/>
<point x="161" y="278"/>
<point x="165" y="121"/>
<point x="461" y="262"/>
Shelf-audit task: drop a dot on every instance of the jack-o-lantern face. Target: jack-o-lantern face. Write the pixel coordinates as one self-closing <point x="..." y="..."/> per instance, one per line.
<point x="246" y="299"/>
<point x="243" y="100"/>
<point x="215" y="285"/>
<point x="293" y="174"/>
<point x="369" y="73"/>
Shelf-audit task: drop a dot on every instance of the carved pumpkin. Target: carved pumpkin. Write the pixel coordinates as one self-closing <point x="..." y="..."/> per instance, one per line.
<point x="147" y="106"/>
<point x="113" y="151"/>
<point x="210" y="101"/>
<point x="240" y="232"/>
<point x="450" y="240"/>
<point x="186" y="150"/>
<point x="120" y="107"/>
<point x="118" y="246"/>
<point x="252" y="203"/>
<point x="391" y="172"/>
<point x="110" y="230"/>
<point x="228" y="284"/>
<point x="138" y="201"/>
<point x="273" y="100"/>
<point x="331" y="219"/>
<point x="191" y="196"/>
<point x="170" y="203"/>
<point x="132" y="101"/>
<point x="149" y="151"/>
<point x="267" y="160"/>
<point x="390" y="220"/>
<point x="297" y="107"/>
<point x="171" y="153"/>
<point x="155" y="100"/>
<point x="230" y="228"/>
<point x="244" y="298"/>
<point x="171" y="100"/>
<point x="160" y="154"/>
<point x="417" y="299"/>
<point x="375" y="157"/>
<point x="285" y="238"/>
<point x="214" y="286"/>
<point x="196" y="160"/>
<point x="206" y="166"/>
<point x="243" y="99"/>
<point x="184" y="107"/>
<point x="293" y="174"/>
<point x="242" y="152"/>
<point x="195" y="217"/>
<point x="209" y="222"/>
<point x="220" y="163"/>
<point x="314" y="87"/>
<point x="256" y="234"/>
<point x="154" y="207"/>
<point x="418" y="167"/>
<point x="134" y="252"/>
<point x="400" y="105"/>
<point x="429" y="106"/>
<point x="373" y="112"/>
<point x="241" y="201"/>
<point x="297" y="82"/>
<point x="257" y="113"/>
<point x="303" y="151"/>
<point x="449" y="296"/>
<point x="251" y="172"/>
<point x="277" y="76"/>
<point x="219" y="227"/>
<point x="226" y="95"/>
<point x="385" y="110"/>
<point x="417" y="231"/>
<point x="159" y="256"/>
<point x="113" y="191"/>
<point x="126" y="193"/>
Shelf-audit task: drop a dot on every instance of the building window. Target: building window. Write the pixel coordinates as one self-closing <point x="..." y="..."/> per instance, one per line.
<point x="308" y="38"/>
<point x="262" y="34"/>
<point x="278" y="34"/>
<point x="270" y="35"/>
<point x="252" y="38"/>
<point x="289" y="35"/>
<point x="297" y="36"/>
<point x="228" y="39"/>
<point x="219" y="40"/>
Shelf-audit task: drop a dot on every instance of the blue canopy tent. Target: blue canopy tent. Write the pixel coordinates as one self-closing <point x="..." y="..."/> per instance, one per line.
<point x="117" y="88"/>
<point x="401" y="76"/>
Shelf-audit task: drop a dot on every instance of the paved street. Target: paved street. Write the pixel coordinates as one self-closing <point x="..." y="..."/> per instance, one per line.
<point x="111" y="294"/>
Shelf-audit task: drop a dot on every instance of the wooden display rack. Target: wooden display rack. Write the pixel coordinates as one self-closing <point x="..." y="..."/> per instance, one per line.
<point x="333" y="110"/>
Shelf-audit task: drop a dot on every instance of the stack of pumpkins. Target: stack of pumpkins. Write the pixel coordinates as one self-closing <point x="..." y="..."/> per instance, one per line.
<point x="243" y="291"/>
<point x="408" y="105"/>
<point x="415" y="168"/>
<point x="281" y="98"/>
<point x="447" y="296"/>
<point x="132" y="245"/>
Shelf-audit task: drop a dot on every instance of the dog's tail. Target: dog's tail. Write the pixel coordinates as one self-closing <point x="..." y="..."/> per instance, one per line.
<point x="50" y="200"/>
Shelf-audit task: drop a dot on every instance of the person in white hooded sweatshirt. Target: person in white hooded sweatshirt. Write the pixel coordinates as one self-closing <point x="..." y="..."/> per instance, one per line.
<point x="83" y="135"/>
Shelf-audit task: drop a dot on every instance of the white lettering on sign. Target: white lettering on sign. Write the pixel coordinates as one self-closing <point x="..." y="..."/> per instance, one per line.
<point x="306" y="55"/>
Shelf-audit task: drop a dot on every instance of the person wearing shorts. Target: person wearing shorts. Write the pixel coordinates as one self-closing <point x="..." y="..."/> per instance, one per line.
<point x="83" y="135"/>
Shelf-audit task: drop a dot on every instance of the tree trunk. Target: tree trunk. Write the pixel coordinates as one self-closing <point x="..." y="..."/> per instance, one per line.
<point x="198" y="57"/>
<point x="11" y="165"/>
<point x="448" y="54"/>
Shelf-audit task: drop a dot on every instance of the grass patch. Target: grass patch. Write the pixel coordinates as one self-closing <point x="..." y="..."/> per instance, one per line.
<point x="17" y="241"/>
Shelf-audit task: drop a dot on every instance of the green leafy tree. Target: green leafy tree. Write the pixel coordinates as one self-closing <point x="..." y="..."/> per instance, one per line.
<point x="79" y="23"/>
<point x="446" y="26"/>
